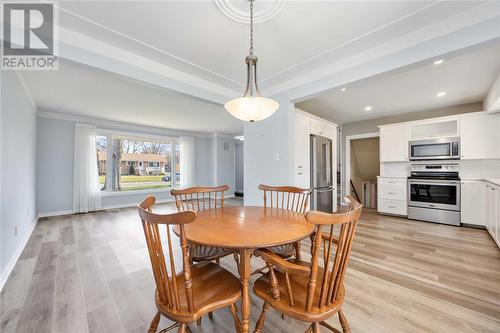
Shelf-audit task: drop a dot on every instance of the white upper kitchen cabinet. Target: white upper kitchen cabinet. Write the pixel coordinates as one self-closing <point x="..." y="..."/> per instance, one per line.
<point x="302" y="141"/>
<point x="394" y="143"/>
<point x="323" y="129"/>
<point x="480" y="136"/>
<point x="473" y="198"/>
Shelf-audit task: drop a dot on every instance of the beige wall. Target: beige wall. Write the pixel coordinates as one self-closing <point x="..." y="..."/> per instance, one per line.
<point x="371" y="125"/>
<point x="365" y="161"/>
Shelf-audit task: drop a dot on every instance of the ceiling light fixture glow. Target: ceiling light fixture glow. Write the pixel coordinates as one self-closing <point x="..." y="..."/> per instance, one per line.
<point x="252" y="106"/>
<point x="343" y="89"/>
<point x="438" y="62"/>
<point x="368" y="108"/>
<point x="441" y="94"/>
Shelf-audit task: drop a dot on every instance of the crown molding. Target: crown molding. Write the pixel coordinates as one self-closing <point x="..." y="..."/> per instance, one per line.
<point x="468" y="29"/>
<point x="106" y="124"/>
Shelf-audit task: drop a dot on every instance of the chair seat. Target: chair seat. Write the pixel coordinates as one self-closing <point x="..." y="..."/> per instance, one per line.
<point x="299" y="284"/>
<point x="202" y="252"/>
<point x="213" y="288"/>
<point x="285" y="250"/>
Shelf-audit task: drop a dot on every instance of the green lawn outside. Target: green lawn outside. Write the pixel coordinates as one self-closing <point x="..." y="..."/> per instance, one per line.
<point x="135" y="179"/>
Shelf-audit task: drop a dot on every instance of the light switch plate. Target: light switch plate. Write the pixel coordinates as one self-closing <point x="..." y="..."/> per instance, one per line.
<point x="276" y="156"/>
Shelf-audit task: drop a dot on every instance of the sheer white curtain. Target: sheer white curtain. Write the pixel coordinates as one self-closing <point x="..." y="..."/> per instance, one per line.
<point x="187" y="161"/>
<point x="86" y="188"/>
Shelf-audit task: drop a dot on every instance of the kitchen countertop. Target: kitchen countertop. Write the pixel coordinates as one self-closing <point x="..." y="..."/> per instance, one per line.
<point x="495" y="181"/>
<point x="392" y="176"/>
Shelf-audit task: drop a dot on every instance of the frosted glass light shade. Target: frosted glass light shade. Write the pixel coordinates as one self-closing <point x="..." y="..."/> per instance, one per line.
<point x="251" y="108"/>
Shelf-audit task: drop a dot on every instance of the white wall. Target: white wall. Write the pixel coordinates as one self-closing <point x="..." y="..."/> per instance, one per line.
<point x="492" y="100"/>
<point x="225" y="164"/>
<point x="18" y="159"/>
<point x="55" y="167"/>
<point x="268" y="145"/>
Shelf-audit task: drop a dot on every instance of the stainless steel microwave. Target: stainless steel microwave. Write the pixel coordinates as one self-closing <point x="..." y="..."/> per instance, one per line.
<point x="435" y="149"/>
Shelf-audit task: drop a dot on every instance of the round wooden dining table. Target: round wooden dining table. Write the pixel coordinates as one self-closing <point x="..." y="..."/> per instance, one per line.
<point x="246" y="228"/>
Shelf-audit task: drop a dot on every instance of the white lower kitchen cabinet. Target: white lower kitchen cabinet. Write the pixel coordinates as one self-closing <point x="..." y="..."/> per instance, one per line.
<point x="493" y="211"/>
<point x="392" y="195"/>
<point x="473" y="198"/>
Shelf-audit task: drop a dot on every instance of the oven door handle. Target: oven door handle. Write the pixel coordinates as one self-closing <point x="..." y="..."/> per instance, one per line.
<point x="433" y="182"/>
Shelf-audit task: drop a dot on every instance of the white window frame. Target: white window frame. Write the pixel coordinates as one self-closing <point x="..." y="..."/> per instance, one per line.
<point x="109" y="133"/>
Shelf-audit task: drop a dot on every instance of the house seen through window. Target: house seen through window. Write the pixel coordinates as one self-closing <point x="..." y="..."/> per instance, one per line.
<point x="137" y="164"/>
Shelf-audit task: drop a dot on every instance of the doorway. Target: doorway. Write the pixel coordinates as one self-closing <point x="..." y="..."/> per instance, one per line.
<point x="362" y="168"/>
<point x="239" y="166"/>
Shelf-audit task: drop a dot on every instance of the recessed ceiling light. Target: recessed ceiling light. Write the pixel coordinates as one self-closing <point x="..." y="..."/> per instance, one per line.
<point x="438" y="62"/>
<point x="368" y="108"/>
<point x="343" y="89"/>
<point x="441" y="94"/>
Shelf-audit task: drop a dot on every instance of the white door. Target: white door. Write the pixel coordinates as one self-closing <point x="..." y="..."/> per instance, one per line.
<point x="394" y="143"/>
<point x="473" y="197"/>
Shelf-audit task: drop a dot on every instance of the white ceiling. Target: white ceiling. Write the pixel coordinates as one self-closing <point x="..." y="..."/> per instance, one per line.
<point x="465" y="77"/>
<point x="86" y="91"/>
<point x="196" y="37"/>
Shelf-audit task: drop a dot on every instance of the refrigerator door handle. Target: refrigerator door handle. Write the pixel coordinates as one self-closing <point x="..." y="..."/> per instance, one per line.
<point x="313" y="163"/>
<point x="328" y="163"/>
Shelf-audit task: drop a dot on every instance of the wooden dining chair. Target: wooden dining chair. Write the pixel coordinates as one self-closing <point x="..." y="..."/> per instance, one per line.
<point x="289" y="198"/>
<point x="186" y="296"/>
<point x="307" y="291"/>
<point x="198" y="199"/>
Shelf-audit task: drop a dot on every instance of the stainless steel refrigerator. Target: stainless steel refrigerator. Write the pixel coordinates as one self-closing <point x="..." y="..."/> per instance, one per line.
<point x="321" y="174"/>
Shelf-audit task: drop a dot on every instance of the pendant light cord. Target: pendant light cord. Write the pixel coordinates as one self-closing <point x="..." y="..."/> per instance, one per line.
<point x="251" y="26"/>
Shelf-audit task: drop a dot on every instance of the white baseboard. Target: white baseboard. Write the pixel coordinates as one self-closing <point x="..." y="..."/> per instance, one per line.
<point x="56" y="213"/>
<point x="12" y="262"/>
<point x="133" y="204"/>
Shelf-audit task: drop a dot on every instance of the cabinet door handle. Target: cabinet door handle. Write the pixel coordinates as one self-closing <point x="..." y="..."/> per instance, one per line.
<point x="391" y="193"/>
<point x="392" y="207"/>
<point x="300" y="166"/>
<point x="299" y="173"/>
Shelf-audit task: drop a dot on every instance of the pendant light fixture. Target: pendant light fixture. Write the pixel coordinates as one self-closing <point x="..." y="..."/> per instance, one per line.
<point x="252" y="106"/>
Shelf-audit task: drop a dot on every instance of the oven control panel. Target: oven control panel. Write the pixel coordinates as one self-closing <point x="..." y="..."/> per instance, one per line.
<point x="451" y="167"/>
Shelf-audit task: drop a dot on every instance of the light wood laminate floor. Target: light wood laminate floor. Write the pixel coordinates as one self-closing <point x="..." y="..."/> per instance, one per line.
<point x="91" y="273"/>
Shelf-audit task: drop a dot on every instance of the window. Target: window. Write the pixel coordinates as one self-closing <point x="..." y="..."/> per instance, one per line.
<point x="102" y="156"/>
<point x="137" y="163"/>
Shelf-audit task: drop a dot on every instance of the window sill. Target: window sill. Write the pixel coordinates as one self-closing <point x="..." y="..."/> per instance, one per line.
<point x="135" y="192"/>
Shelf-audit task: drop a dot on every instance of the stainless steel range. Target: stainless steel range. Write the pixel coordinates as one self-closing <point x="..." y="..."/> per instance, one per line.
<point x="434" y="193"/>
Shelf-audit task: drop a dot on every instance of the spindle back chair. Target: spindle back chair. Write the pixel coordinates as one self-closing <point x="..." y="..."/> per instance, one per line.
<point x="309" y="291"/>
<point x="286" y="197"/>
<point x="198" y="199"/>
<point x="187" y="295"/>
<point x="289" y="198"/>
